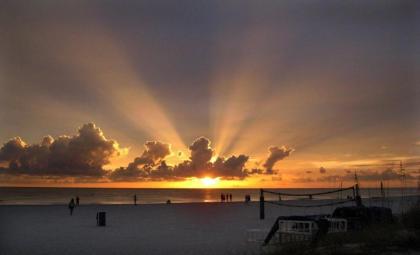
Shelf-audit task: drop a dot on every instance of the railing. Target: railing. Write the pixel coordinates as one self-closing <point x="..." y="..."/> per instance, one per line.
<point x="292" y="230"/>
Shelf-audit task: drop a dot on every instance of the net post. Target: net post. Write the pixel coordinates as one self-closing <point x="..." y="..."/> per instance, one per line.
<point x="358" y="198"/>
<point x="262" y="212"/>
<point x="354" y="192"/>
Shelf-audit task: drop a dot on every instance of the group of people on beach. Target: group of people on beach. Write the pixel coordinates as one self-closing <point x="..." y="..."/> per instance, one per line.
<point x="73" y="204"/>
<point x="226" y="197"/>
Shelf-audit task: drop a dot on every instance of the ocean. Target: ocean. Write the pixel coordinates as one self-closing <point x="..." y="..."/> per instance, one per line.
<point x="46" y="196"/>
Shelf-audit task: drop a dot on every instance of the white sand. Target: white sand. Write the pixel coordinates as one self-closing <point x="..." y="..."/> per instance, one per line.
<point x="201" y="228"/>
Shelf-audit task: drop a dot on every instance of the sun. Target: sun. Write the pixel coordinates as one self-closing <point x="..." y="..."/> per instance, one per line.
<point x="209" y="182"/>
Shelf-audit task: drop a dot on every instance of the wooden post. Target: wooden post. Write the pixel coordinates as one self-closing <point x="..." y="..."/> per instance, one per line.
<point x="262" y="213"/>
<point x="358" y="197"/>
<point x="354" y="192"/>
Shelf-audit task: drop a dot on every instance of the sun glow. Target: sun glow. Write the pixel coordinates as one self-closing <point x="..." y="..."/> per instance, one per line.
<point x="209" y="182"/>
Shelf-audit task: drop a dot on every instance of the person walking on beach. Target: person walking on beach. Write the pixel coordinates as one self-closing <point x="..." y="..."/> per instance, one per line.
<point x="230" y="197"/>
<point x="71" y="206"/>
<point x="77" y="201"/>
<point x="135" y="199"/>
<point x="222" y="197"/>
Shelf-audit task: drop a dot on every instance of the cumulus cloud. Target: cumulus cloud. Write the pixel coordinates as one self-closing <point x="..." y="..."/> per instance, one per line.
<point x="275" y="154"/>
<point x="154" y="152"/>
<point x="232" y="167"/>
<point x="12" y="150"/>
<point x="142" y="167"/>
<point x="83" y="154"/>
<point x="198" y="165"/>
<point x="201" y="152"/>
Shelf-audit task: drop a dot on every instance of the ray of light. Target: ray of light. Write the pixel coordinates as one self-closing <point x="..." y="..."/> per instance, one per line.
<point x="237" y="91"/>
<point x="107" y="72"/>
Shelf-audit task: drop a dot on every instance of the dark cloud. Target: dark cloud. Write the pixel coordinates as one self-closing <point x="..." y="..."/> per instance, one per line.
<point x="232" y="167"/>
<point x="12" y="150"/>
<point x="198" y="165"/>
<point x="201" y="152"/>
<point x="275" y="154"/>
<point x="154" y="152"/>
<point x="83" y="154"/>
<point x="322" y="170"/>
<point x="142" y="167"/>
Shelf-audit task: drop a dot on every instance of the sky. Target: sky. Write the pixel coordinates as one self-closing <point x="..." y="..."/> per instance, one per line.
<point x="246" y="93"/>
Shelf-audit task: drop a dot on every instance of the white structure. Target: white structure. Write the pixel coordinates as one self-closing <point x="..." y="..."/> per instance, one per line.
<point x="304" y="230"/>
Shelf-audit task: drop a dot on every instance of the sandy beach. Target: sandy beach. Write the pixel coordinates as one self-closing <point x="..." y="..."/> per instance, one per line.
<point x="194" y="228"/>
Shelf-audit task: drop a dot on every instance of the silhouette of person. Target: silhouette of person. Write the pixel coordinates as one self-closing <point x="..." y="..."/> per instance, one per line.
<point x="230" y="197"/>
<point x="135" y="199"/>
<point x="247" y="198"/>
<point x="77" y="201"/>
<point x="71" y="206"/>
<point x="222" y="197"/>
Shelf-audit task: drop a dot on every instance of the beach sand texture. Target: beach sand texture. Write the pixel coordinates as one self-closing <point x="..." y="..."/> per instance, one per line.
<point x="195" y="228"/>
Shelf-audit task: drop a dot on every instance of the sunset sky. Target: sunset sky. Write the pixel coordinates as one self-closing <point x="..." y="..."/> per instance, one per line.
<point x="196" y="93"/>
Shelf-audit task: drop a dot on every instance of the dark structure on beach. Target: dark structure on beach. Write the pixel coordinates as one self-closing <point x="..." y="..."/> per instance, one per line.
<point x="353" y="217"/>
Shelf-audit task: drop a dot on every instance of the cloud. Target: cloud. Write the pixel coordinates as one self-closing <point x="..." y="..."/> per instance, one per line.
<point x="83" y="154"/>
<point x="322" y="170"/>
<point x="275" y="154"/>
<point x="142" y="167"/>
<point x="198" y="165"/>
<point x="153" y="153"/>
<point x="201" y="152"/>
<point x="12" y="150"/>
<point x="231" y="168"/>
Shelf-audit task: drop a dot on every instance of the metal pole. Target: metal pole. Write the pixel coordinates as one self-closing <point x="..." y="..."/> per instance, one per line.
<point x="262" y="213"/>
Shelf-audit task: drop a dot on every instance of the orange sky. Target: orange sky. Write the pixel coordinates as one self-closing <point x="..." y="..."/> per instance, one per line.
<point x="339" y="89"/>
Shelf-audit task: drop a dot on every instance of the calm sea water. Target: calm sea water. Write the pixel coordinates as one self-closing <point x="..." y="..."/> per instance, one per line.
<point x="10" y="196"/>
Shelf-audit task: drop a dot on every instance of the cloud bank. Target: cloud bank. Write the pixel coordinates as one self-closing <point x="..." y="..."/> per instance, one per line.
<point x="89" y="151"/>
<point x="83" y="154"/>
<point x="198" y="165"/>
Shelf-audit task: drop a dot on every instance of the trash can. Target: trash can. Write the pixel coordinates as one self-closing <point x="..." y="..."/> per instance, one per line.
<point x="101" y="219"/>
